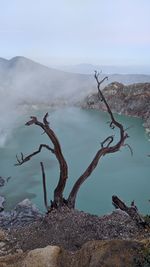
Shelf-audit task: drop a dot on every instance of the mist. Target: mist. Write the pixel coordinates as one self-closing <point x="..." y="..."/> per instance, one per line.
<point x="26" y="84"/>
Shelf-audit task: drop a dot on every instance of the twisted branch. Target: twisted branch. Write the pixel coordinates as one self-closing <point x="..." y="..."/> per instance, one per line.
<point x="27" y="158"/>
<point x="105" y="146"/>
<point x="58" y="192"/>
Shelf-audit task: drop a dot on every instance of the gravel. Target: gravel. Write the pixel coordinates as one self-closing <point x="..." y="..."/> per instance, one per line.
<point x="70" y="229"/>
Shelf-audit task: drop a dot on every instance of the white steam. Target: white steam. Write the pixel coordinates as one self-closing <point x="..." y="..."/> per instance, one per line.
<point x="24" y="83"/>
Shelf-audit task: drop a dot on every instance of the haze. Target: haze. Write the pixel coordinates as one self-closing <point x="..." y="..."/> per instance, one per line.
<point x="105" y="32"/>
<point x="56" y="33"/>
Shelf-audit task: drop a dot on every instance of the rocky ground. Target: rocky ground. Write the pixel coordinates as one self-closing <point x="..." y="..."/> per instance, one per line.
<point x="112" y="253"/>
<point x="77" y="238"/>
<point x="130" y="100"/>
<point x="70" y="229"/>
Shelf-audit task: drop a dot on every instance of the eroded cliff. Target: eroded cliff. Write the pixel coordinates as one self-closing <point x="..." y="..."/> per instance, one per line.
<point x="130" y="100"/>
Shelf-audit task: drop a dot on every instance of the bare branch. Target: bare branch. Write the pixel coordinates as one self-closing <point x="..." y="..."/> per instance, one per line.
<point x="105" y="146"/>
<point x="18" y="159"/>
<point x="8" y="178"/>
<point x="44" y="185"/>
<point x="130" y="148"/>
<point x="21" y="156"/>
<point x="45" y="119"/>
<point x="32" y="121"/>
<point x="27" y="158"/>
<point x="58" y="192"/>
<point x="110" y="139"/>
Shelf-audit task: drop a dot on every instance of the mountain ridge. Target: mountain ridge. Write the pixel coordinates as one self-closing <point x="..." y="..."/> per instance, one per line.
<point x="86" y="68"/>
<point x="21" y="74"/>
<point x="32" y="82"/>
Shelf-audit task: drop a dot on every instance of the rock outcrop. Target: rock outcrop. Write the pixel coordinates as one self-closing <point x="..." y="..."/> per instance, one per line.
<point x="130" y="100"/>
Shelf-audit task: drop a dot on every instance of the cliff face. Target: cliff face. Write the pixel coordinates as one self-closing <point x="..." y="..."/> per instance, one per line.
<point x="130" y="100"/>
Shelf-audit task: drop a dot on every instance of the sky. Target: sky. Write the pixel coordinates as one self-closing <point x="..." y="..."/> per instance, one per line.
<point x="62" y="32"/>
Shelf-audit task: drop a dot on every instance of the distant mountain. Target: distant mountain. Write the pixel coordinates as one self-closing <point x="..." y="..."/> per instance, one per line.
<point x="109" y="69"/>
<point x="3" y="61"/>
<point x="32" y="82"/>
<point x="29" y="82"/>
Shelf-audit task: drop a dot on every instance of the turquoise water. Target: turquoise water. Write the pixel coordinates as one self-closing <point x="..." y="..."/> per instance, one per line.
<point x="80" y="133"/>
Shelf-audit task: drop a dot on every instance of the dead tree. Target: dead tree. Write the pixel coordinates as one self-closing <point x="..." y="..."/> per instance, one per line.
<point x="106" y="147"/>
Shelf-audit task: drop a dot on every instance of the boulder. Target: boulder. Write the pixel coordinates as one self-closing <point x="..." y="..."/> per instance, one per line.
<point x="42" y="257"/>
<point x="45" y="257"/>
<point x="110" y="253"/>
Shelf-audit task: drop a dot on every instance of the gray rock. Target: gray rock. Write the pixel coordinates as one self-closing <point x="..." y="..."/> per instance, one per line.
<point x="24" y="213"/>
<point x="2" y="244"/>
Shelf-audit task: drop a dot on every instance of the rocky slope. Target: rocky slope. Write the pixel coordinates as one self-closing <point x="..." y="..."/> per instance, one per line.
<point x="130" y="100"/>
<point x="71" y="238"/>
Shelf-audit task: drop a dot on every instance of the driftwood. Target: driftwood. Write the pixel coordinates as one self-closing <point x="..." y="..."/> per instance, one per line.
<point x="132" y="211"/>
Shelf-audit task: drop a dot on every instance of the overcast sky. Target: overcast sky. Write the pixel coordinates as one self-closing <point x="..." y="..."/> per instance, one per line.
<point x="76" y="31"/>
